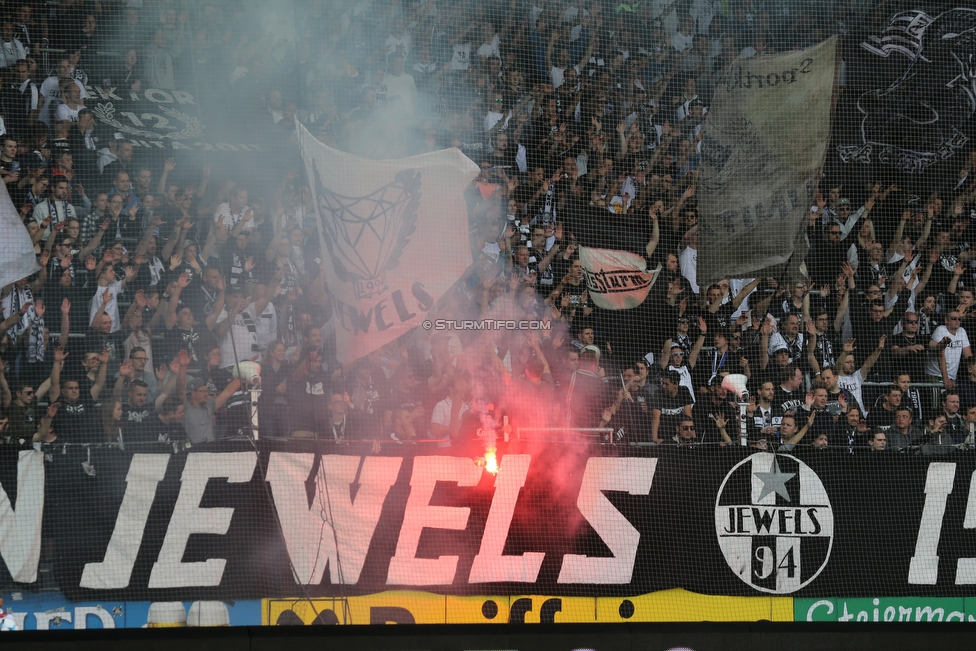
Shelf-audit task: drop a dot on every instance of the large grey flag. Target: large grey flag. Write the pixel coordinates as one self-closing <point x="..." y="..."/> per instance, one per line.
<point x="764" y="142"/>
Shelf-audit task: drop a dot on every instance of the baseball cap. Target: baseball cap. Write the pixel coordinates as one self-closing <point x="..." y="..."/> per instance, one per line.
<point x="194" y="384"/>
<point x="781" y="348"/>
<point x="844" y="202"/>
<point x="593" y="348"/>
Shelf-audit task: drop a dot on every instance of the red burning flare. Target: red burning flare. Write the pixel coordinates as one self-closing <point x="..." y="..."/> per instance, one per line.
<point x="491" y="461"/>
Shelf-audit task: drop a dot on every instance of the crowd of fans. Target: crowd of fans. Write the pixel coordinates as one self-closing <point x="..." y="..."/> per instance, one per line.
<point x="159" y="287"/>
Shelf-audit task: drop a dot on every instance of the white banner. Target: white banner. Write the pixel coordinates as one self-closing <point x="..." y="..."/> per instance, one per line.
<point x="17" y="251"/>
<point x="616" y="280"/>
<point x="394" y="234"/>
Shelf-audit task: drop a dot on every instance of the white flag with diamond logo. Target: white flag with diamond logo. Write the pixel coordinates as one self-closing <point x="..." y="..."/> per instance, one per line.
<point x="394" y="234"/>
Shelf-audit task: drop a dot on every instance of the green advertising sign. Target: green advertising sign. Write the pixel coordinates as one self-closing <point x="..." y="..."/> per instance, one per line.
<point x="885" y="609"/>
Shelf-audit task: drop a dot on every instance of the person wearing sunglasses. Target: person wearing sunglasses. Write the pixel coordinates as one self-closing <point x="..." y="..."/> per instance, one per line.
<point x="685" y="435"/>
<point x="23" y="428"/>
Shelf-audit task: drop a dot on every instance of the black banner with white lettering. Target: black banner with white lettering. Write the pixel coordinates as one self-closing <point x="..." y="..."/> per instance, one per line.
<point x="287" y="519"/>
<point x="168" y="120"/>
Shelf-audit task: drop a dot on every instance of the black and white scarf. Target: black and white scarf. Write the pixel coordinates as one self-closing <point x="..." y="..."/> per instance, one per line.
<point x="35" y="338"/>
<point x="248" y="323"/>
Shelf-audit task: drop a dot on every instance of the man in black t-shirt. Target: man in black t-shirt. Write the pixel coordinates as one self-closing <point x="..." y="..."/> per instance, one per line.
<point x="313" y="381"/>
<point x="138" y="414"/>
<point x="908" y="350"/>
<point x="77" y="420"/>
<point x="882" y="416"/>
<point x="184" y="336"/>
<point x="789" y="395"/>
<point x="672" y="404"/>
<point x="706" y="409"/>
<point x="166" y="425"/>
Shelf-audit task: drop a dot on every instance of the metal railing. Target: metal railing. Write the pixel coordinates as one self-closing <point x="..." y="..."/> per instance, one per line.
<point x="559" y="434"/>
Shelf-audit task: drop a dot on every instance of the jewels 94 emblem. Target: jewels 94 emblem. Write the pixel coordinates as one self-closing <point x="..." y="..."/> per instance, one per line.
<point x="774" y="522"/>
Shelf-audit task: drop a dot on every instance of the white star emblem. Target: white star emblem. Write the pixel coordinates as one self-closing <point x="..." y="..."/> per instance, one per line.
<point x="775" y="481"/>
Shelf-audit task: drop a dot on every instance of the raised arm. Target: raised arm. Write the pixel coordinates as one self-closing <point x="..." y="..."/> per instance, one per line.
<point x="842" y="311"/>
<point x="873" y="357"/>
<point x="181" y="283"/>
<point x="170" y="385"/>
<point x="5" y="395"/>
<point x="228" y="391"/>
<point x="106" y="297"/>
<point x="143" y="244"/>
<point x="665" y="354"/>
<point x="65" y="322"/>
<point x="59" y="355"/>
<point x="133" y="306"/>
<point x="803" y="430"/>
<point x="553" y="37"/>
<point x="899" y="232"/>
<point x="209" y="244"/>
<point x="693" y="358"/>
<point x="926" y="231"/>
<point x="38" y="284"/>
<point x="96" y="389"/>
<point x="176" y="237"/>
<point x="218" y="304"/>
<point x="746" y="291"/>
<point x="43" y="433"/>
<point x="269" y="293"/>
<point x="812" y="347"/>
<point x="168" y="167"/>
<point x="652" y="243"/>
<point x="956" y="274"/>
<point x="766" y="331"/>
<point x="126" y="372"/>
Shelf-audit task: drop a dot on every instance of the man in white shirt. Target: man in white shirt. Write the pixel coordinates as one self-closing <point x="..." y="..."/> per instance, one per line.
<point x="237" y="326"/>
<point x="235" y="210"/>
<point x="400" y="40"/>
<point x="106" y="295"/>
<point x="851" y="380"/>
<point x="460" y="51"/>
<point x="682" y="39"/>
<point x="56" y="206"/>
<point x="948" y="346"/>
<point x="267" y="322"/>
<point x="51" y="90"/>
<point x="496" y="113"/>
<point x="12" y="49"/>
<point x="236" y="330"/>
